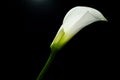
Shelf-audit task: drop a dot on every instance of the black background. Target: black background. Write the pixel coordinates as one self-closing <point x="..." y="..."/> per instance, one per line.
<point x="89" y="55"/>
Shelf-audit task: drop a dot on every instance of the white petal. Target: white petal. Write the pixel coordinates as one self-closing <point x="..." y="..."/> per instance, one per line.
<point x="79" y="17"/>
<point x="76" y="19"/>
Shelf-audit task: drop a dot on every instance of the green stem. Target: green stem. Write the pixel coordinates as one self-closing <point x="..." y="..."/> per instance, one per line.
<point x="45" y="68"/>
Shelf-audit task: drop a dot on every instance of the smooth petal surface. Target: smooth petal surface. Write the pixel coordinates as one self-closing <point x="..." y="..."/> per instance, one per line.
<point x="76" y="19"/>
<point x="80" y="17"/>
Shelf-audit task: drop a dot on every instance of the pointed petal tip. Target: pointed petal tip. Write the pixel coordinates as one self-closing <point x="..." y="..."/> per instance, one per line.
<point x="104" y="19"/>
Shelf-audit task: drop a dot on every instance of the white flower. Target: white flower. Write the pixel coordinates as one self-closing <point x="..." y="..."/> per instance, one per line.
<point x="76" y="19"/>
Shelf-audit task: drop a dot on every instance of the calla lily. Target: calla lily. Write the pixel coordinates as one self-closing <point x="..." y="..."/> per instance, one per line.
<point x="76" y="19"/>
